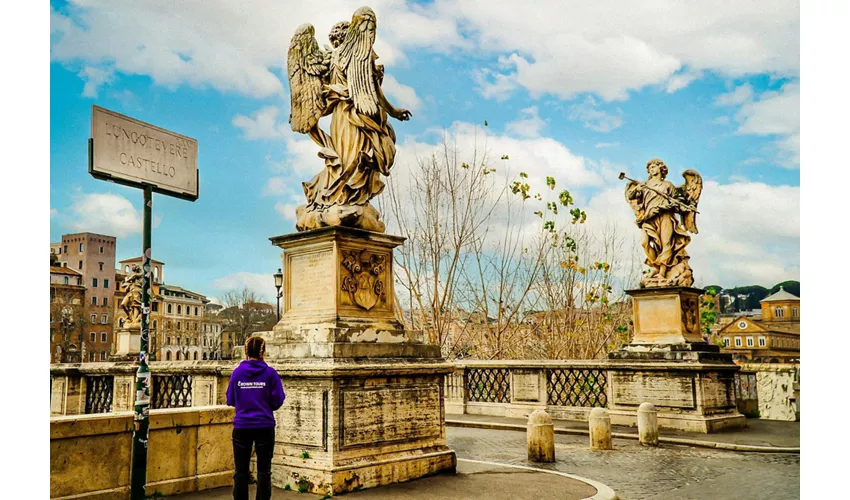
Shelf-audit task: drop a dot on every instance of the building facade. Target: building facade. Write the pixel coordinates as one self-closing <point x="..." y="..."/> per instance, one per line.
<point x="67" y="313"/>
<point x="773" y="337"/>
<point x="92" y="256"/>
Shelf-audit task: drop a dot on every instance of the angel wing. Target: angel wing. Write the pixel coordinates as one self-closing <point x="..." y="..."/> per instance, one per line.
<point x="691" y="190"/>
<point x="307" y="69"/>
<point x="356" y="57"/>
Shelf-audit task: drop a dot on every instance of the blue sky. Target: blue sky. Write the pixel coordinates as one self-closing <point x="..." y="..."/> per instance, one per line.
<point x="579" y="94"/>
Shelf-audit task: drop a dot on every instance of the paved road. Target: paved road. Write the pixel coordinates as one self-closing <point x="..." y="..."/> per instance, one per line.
<point x="637" y="472"/>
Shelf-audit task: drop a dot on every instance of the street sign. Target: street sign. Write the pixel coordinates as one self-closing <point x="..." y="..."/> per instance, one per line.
<point x="135" y="153"/>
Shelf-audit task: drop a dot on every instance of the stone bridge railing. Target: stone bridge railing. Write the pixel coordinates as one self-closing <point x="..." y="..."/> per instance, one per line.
<point x="91" y="388"/>
<point x="567" y="389"/>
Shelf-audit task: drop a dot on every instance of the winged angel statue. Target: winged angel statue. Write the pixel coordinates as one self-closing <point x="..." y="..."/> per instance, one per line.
<point x="666" y="214"/>
<point x="343" y="82"/>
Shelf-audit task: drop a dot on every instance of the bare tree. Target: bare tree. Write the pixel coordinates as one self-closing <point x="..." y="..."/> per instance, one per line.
<point x="440" y="211"/>
<point x="67" y="322"/>
<point x="245" y="314"/>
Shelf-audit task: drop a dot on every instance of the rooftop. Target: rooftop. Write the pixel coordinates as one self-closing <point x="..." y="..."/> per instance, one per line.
<point x="781" y="296"/>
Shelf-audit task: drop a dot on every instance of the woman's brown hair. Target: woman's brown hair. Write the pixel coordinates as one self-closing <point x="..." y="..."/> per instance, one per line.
<point x="255" y="347"/>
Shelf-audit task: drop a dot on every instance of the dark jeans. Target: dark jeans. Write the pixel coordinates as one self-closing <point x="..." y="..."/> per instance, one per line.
<point x="263" y="442"/>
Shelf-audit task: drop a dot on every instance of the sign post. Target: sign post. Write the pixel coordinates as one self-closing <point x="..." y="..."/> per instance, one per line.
<point x="138" y="154"/>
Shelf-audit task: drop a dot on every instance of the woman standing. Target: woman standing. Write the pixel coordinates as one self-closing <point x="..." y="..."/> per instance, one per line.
<point x="256" y="392"/>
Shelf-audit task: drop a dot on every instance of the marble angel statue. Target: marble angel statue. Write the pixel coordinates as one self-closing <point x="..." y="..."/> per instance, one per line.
<point x="344" y="82"/>
<point x="666" y="214"/>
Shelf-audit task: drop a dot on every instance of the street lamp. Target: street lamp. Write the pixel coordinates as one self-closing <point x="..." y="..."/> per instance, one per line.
<point x="278" y="282"/>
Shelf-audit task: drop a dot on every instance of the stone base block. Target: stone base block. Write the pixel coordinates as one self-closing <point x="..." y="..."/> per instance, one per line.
<point x="129" y="342"/>
<point x="370" y="473"/>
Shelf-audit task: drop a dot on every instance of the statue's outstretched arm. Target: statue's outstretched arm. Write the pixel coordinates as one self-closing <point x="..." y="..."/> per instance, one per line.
<point x="398" y="114"/>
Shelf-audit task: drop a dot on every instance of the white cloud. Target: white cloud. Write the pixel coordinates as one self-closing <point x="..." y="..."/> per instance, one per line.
<point x="287" y="210"/>
<point x="275" y="186"/>
<point x="262" y="284"/>
<point x="105" y="213"/>
<point x="529" y="126"/>
<point x="402" y="95"/>
<point x="53" y="213"/>
<point x="607" y="144"/>
<point x="740" y="95"/>
<point x="263" y="124"/>
<point x="561" y="49"/>
<point x="775" y="113"/>
<point x="94" y="78"/>
<point x="594" y="118"/>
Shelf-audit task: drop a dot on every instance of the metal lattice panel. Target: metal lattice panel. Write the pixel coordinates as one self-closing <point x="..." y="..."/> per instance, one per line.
<point x="584" y="387"/>
<point x="171" y="391"/>
<point x="489" y="385"/>
<point x="99" y="394"/>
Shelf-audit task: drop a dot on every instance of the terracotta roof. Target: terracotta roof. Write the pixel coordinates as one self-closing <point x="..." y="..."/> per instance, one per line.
<point x="139" y="259"/>
<point x="63" y="270"/>
<point x="780" y="296"/>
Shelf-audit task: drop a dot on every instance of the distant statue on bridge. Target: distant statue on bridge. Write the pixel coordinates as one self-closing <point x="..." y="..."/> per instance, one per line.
<point x="666" y="214"/>
<point x="343" y="82"/>
<point x="131" y="304"/>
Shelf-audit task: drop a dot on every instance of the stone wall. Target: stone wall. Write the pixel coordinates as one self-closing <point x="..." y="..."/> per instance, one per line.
<point x="189" y="450"/>
<point x="778" y="390"/>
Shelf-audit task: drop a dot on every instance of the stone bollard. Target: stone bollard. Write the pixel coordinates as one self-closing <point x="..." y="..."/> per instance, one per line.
<point x="647" y="422"/>
<point x="541" y="437"/>
<point x="600" y="429"/>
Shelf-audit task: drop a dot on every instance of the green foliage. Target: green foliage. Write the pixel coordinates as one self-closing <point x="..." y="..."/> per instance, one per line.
<point x="505" y="157"/>
<point x="707" y="314"/>
<point x="791" y="286"/>
<point x="485" y="123"/>
<point x="305" y="454"/>
<point x="327" y="495"/>
<point x="287" y="487"/>
<point x="752" y="414"/>
<point x="550" y="182"/>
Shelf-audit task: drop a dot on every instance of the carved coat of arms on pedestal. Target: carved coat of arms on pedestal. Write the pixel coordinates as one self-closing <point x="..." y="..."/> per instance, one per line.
<point x="364" y="279"/>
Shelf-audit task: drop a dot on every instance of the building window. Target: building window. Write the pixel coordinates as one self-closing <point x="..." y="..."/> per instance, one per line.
<point x="103" y="337"/>
<point x="204" y="356"/>
<point x="94" y="282"/>
<point x="205" y="341"/>
<point x="104" y="319"/>
<point x="154" y="324"/>
<point x="81" y="264"/>
<point x="105" y="283"/>
<point x="178" y="325"/>
<point x="168" y="356"/>
<point x="101" y="249"/>
<point x="104" y="301"/>
<point x="177" y="339"/>
<point x="779" y="312"/>
<point x="737" y="341"/>
<point x="91" y="355"/>
<point x="794" y="313"/>
<point x="178" y="356"/>
<point x="168" y="308"/>
<point x="168" y="324"/>
<point x="179" y="310"/>
<point x="66" y="280"/>
<point x="81" y="247"/>
<point x="100" y="266"/>
<point x="103" y="355"/>
<point x="94" y="318"/>
<point x="726" y="341"/>
<point x="92" y="337"/>
<point x="196" y="311"/>
<point x="66" y="248"/>
<point x="750" y="342"/>
<point x="79" y="280"/>
<point x="94" y="302"/>
<point x="155" y="307"/>
<point x="167" y="340"/>
<point x="762" y="342"/>
<point x="196" y="355"/>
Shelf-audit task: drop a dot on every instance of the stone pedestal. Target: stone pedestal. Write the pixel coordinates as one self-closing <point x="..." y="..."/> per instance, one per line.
<point x="364" y="403"/>
<point x="128" y="344"/>
<point x="691" y="383"/>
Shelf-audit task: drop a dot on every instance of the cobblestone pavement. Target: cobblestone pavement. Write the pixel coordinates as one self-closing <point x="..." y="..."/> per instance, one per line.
<point x="637" y="472"/>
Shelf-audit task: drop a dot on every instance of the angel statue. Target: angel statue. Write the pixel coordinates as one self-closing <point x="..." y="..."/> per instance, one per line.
<point x="666" y="214"/>
<point x="131" y="304"/>
<point x="344" y="82"/>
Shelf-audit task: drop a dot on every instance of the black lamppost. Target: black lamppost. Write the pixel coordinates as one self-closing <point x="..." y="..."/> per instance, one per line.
<point x="278" y="282"/>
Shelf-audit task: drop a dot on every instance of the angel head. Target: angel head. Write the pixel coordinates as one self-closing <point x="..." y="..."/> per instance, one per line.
<point x="656" y="163"/>
<point x="337" y="34"/>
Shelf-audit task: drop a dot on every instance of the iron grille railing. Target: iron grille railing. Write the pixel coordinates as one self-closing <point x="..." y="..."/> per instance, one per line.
<point x="99" y="394"/>
<point x="488" y="385"/>
<point x="582" y="387"/>
<point x="172" y="391"/>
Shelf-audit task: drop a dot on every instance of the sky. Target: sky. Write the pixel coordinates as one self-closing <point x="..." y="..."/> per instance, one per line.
<point x="578" y="91"/>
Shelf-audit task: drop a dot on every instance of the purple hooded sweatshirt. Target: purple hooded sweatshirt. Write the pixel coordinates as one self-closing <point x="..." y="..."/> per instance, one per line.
<point x="255" y="391"/>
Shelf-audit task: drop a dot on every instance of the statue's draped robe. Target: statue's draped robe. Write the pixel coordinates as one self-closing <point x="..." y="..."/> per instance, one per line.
<point x="664" y="238"/>
<point x="358" y="151"/>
